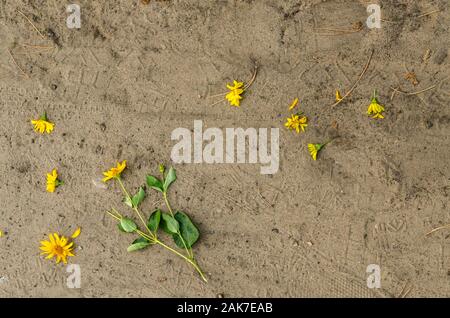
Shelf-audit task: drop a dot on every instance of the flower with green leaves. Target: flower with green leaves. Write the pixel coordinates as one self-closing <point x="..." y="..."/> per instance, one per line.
<point x="176" y="224"/>
<point x="314" y="149"/>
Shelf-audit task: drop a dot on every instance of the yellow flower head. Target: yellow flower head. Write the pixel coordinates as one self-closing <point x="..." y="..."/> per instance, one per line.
<point x="234" y="97"/>
<point x="52" y="181"/>
<point x="314" y="149"/>
<point x="1" y="233"/>
<point x="236" y="90"/>
<point x="375" y="109"/>
<point x="114" y="172"/>
<point x="58" y="247"/>
<point x="297" y="122"/>
<point x="338" y="96"/>
<point x="42" y="125"/>
<point x="293" y="104"/>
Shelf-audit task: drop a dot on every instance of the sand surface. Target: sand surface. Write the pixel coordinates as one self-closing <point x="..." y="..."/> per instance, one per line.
<point x="118" y="87"/>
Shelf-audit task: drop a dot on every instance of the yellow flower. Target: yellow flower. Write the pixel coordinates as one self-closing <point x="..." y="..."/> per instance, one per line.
<point x="52" y="181"/>
<point x="58" y="247"/>
<point x="236" y="85"/>
<point x="1" y="233"/>
<point x="375" y="108"/>
<point x="296" y="122"/>
<point x="234" y="97"/>
<point x="338" y="96"/>
<point x="293" y="104"/>
<point x="236" y="90"/>
<point x="43" y="125"/>
<point x="314" y="149"/>
<point x="114" y="172"/>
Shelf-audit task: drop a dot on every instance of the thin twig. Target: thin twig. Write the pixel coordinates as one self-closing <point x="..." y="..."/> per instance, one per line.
<point x="407" y="292"/>
<point x="414" y="93"/>
<point x="43" y="47"/>
<point x="217" y="95"/>
<point x="428" y="13"/>
<point x="339" y="32"/>
<point x="393" y="93"/>
<point x="438" y="229"/>
<point x="218" y="102"/>
<point x="42" y="36"/>
<point x="14" y="60"/>
<point x="357" y="81"/>
<point x="388" y="21"/>
<point x="252" y="80"/>
<point x="356" y="28"/>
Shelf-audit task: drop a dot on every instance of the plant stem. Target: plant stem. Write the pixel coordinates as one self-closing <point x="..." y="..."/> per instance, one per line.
<point x="167" y="203"/>
<point x="156" y="241"/>
<point x="134" y="207"/>
<point x="438" y="228"/>
<point x="189" y="260"/>
<point x="114" y="216"/>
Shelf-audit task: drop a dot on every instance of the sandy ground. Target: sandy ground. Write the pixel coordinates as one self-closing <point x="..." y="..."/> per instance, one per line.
<point x="117" y="88"/>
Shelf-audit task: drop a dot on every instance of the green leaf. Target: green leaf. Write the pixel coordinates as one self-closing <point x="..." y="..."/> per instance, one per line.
<point x="128" y="225"/>
<point x="169" y="224"/>
<point x="170" y="178"/>
<point x="153" y="220"/>
<point x="120" y="228"/>
<point x="140" y="239"/>
<point x="128" y="202"/>
<point x="138" y="244"/>
<point x="155" y="183"/>
<point x="138" y="197"/>
<point x="188" y="231"/>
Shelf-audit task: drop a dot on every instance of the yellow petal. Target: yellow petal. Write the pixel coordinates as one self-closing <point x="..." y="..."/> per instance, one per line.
<point x="293" y="104"/>
<point x="46" y="243"/>
<point x="57" y="239"/>
<point x="76" y="233"/>
<point x="106" y="179"/>
<point x="51" y="188"/>
<point x="69" y="246"/>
